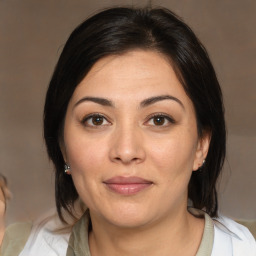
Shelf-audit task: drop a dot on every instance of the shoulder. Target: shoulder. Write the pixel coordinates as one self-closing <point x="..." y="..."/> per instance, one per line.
<point x="15" y="238"/>
<point x="250" y="224"/>
<point x="47" y="237"/>
<point x="231" y="238"/>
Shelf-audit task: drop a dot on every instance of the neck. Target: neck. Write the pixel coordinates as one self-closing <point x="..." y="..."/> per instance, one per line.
<point x="179" y="234"/>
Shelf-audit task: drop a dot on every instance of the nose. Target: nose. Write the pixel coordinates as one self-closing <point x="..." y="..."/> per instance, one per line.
<point x="127" y="146"/>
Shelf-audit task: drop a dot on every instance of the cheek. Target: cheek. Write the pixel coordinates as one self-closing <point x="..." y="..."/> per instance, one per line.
<point x="81" y="148"/>
<point x="85" y="155"/>
<point x="86" y="160"/>
<point x="174" y="156"/>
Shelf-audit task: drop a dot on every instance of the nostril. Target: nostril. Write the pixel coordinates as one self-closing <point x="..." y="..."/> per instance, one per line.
<point x="127" y="160"/>
<point x="126" y="149"/>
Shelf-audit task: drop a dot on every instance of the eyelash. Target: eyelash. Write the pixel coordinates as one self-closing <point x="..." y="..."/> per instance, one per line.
<point x="161" y="115"/>
<point x="166" y="117"/>
<point x="94" y="115"/>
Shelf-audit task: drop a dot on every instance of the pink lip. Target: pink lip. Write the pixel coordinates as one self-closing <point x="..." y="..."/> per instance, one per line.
<point x="127" y="185"/>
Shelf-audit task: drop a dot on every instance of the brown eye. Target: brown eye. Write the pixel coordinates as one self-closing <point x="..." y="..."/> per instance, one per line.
<point x="159" y="120"/>
<point x="163" y="120"/>
<point x="97" y="120"/>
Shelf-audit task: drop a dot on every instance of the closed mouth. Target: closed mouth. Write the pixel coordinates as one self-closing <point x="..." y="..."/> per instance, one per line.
<point x="127" y="185"/>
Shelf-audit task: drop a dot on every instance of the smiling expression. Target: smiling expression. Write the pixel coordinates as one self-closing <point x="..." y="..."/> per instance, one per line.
<point x="131" y="139"/>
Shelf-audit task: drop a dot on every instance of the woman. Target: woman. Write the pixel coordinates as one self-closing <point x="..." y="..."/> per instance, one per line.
<point x="134" y="124"/>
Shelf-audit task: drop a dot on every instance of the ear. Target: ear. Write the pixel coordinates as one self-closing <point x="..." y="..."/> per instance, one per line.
<point x="202" y="149"/>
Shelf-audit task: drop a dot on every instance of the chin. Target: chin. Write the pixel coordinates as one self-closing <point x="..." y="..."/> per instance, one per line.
<point x="129" y="222"/>
<point x="128" y="217"/>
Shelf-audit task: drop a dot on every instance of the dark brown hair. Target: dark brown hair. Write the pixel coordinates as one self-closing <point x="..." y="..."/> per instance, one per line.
<point x="113" y="32"/>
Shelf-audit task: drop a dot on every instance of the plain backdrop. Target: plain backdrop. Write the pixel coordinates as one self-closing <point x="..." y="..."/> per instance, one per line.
<point x="32" y="34"/>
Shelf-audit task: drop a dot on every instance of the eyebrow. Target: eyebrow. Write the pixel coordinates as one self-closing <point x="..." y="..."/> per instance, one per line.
<point x="101" y="101"/>
<point x="144" y="103"/>
<point x="155" y="99"/>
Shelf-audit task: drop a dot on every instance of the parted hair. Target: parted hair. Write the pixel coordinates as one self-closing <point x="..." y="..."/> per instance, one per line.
<point x="115" y="31"/>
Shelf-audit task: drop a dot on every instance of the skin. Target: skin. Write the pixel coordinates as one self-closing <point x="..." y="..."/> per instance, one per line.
<point x="2" y="216"/>
<point x="4" y="195"/>
<point x="126" y="139"/>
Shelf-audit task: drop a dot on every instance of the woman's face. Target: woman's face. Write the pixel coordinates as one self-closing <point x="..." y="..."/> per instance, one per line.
<point x="130" y="138"/>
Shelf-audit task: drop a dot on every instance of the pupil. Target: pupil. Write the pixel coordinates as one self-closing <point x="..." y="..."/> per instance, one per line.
<point x="97" y="120"/>
<point x="159" y="120"/>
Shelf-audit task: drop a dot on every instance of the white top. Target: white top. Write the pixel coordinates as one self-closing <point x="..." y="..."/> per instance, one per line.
<point x="230" y="239"/>
<point x="43" y="239"/>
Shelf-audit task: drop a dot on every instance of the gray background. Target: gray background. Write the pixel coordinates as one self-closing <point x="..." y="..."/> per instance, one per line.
<point x="32" y="34"/>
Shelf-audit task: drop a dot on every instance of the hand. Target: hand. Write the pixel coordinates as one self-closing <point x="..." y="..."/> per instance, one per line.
<point x="4" y="196"/>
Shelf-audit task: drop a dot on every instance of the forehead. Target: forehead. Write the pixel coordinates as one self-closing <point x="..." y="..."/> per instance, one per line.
<point x="136" y="75"/>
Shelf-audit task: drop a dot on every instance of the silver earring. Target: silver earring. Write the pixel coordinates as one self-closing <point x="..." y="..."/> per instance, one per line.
<point x="202" y="166"/>
<point x="67" y="169"/>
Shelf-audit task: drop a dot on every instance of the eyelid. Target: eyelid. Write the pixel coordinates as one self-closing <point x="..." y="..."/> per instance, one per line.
<point x="169" y="118"/>
<point x="91" y="115"/>
<point x="164" y="115"/>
